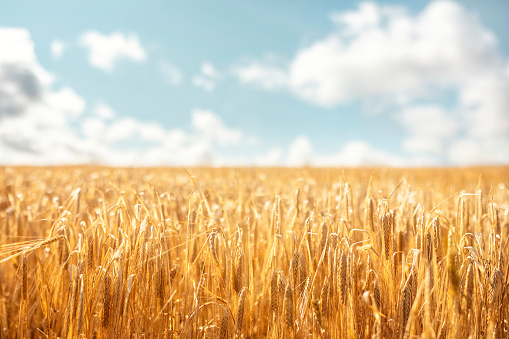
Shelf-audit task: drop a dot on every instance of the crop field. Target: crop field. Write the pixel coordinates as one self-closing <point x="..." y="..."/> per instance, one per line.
<point x="99" y="252"/>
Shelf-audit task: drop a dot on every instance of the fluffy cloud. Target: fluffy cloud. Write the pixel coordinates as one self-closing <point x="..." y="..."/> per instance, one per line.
<point x="430" y="129"/>
<point x="368" y="16"/>
<point x="360" y="153"/>
<point x="209" y="70"/>
<point x="103" y="111"/>
<point x="377" y="51"/>
<point x="300" y="152"/>
<point x="262" y="74"/>
<point x="33" y="116"/>
<point x="57" y="49"/>
<point x="382" y="53"/>
<point x="273" y="157"/>
<point x="210" y="126"/>
<point x="104" y="51"/>
<point x="353" y="153"/>
<point x="207" y="78"/>
<point x="96" y="138"/>
<point x="22" y="79"/>
<point x="102" y="139"/>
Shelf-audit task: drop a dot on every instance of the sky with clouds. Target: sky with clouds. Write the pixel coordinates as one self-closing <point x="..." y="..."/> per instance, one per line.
<point x="265" y="83"/>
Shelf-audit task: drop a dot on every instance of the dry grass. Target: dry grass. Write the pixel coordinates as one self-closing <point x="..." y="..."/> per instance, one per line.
<point x="254" y="253"/>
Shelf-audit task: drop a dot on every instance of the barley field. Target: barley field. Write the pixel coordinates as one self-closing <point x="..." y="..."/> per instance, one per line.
<point x="96" y="252"/>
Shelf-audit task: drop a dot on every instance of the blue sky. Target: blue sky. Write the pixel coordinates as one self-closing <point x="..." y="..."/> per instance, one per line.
<point x="397" y="83"/>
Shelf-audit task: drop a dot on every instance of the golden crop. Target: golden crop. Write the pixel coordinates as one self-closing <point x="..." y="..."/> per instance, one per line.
<point x="254" y="253"/>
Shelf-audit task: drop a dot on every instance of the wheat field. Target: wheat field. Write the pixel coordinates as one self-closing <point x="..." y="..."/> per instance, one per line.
<point x="98" y="252"/>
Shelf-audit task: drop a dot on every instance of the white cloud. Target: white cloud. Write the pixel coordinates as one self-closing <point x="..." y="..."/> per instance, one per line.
<point x="34" y="116"/>
<point x="103" y="111"/>
<point x="360" y="153"/>
<point x="264" y="75"/>
<point x="469" y="151"/>
<point x="66" y="101"/>
<point x="209" y="70"/>
<point x="93" y="128"/>
<point x="430" y="129"/>
<point x="57" y="49"/>
<point x="300" y="152"/>
<point x="21" y="74"/>
<point x="208" y="77"/>
<point x="377" y="51"/>
<point x="273" y="157"/>
<point x="170" y="73"/>
<point x="211" y="127"/>
<point x="121" y="129"/>
<point x="353" y="153"/>
<point x="104" y="51"/>
<point x="99" y="139"/>
<point x="384" y="54"/>
<point x="368" y="16"/>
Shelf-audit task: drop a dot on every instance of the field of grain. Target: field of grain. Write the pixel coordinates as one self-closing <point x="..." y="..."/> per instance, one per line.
<point x="254" y="253"/>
